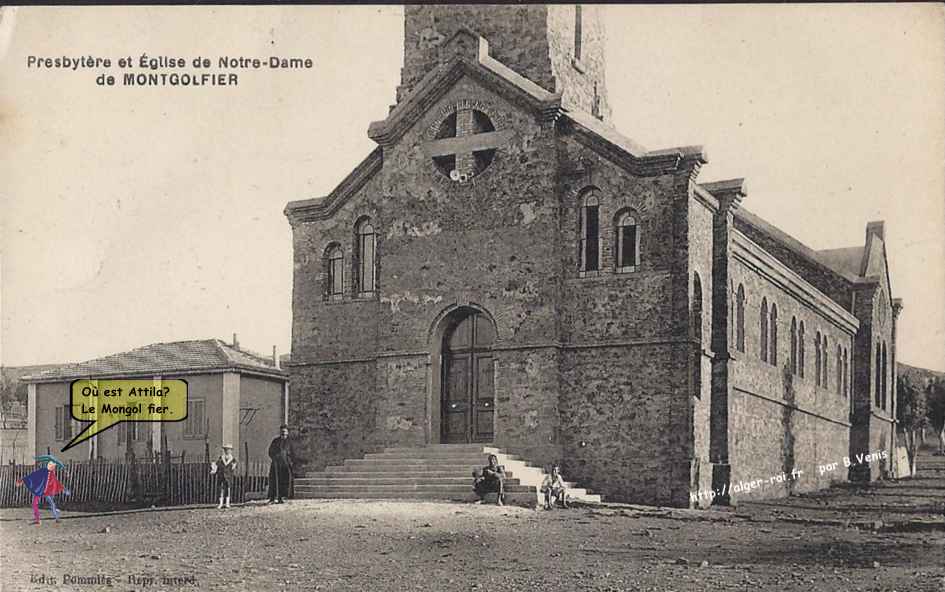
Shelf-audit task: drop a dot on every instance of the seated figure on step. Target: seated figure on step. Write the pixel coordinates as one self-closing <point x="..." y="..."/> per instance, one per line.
<point x="490" y="479"/>
<point x="554" y="489"/>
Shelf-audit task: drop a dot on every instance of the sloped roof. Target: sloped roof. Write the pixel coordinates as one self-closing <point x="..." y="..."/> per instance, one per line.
<point x="163" y="359"/>
<point x="846" y="260"/>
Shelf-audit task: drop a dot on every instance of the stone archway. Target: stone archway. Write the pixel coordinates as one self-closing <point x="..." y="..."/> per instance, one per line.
<point x="463" y="377"/>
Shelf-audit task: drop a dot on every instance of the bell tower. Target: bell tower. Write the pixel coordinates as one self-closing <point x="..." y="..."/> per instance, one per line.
<point x="558" y="47"/>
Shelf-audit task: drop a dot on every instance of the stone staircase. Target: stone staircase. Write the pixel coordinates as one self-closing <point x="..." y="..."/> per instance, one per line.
<point x="432" y="472"/>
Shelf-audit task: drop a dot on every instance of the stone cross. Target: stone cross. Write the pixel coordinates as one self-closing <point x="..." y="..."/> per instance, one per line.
<point x="466" y="142"/>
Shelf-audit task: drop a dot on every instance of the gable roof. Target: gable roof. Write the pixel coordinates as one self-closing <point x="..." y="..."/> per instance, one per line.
<point x="847" y="260"/>
<point x="207" y="355"/>
<point x="469" y="56"/>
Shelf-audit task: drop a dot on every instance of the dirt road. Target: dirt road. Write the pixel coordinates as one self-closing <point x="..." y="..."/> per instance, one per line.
<point x="352" y="545"/>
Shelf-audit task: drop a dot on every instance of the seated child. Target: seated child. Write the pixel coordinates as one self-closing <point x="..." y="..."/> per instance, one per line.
<point x="554" y="489"/>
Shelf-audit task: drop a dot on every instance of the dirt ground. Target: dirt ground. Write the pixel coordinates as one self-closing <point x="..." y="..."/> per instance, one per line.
<point x="381" y="545"/>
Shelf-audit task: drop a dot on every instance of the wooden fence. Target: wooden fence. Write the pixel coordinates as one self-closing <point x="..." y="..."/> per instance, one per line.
<point x="103" y="483"/>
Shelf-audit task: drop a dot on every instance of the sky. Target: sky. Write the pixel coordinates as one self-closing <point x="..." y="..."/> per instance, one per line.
<point x="140" y="215"/>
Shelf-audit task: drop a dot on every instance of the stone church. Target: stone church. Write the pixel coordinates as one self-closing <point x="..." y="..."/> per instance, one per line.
<point x="508" y="269"/>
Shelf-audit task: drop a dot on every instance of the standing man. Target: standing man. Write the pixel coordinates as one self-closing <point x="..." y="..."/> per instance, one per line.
<point x="280" y="467"/>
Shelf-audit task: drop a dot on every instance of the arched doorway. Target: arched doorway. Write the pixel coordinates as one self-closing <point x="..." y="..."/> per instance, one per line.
<point x="467" y="392"/>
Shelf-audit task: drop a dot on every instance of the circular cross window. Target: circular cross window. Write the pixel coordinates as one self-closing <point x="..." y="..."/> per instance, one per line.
<point x="462" y="151"/>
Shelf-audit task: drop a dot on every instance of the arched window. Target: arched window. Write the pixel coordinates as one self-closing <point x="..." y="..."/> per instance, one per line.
<point x="334" y="273"/>
<point x="578" y="32"/>
<point x="740" y="319"/>
<point x="696" y="307"/>
<point x="590" y="232"/>
<point x="773" y="353"/>
<point x="764" y="329"/>
<point x="877" y="380"/>
<point x="839" y="370"/>
<point x="801" y="353"/>
<point x="885" y="381"/>
<point x="846" y="373"/>
<point x="825" y="366"/>
<point x="818" y="354"/>
<point x="793" y="353"/>
<point x="628" y="242"/>
<point x="364" y="257"/>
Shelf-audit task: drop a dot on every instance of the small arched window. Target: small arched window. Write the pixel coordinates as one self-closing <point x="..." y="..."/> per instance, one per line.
<point x="793" y="353"/>
<point x="590" y="232"/>
<point x="364" y="255"/>
<point x="628" y="242"/>
<point x="740" y="319"/>
<point x="334" y="273"/>
<point x="773" y="353"/>
<point x="764" y="330"/>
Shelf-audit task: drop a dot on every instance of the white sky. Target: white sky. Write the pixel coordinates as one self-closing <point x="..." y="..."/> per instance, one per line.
<point x="137" y="215"/>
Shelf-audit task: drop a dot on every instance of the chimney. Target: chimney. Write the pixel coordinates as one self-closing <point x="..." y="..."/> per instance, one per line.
<point x="878" y="228"/>
<point x="236" y="342"/>
<point x="275" y="357"/>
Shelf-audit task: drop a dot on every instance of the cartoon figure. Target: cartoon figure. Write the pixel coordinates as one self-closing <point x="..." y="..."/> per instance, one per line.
<point x="44" y="483"/>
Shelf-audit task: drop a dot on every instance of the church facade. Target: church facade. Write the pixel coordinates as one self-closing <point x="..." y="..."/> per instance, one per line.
<point x="506" y="268"/>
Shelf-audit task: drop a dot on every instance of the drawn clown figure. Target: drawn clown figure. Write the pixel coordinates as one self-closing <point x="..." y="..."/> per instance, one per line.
<point x="44" y="483"/>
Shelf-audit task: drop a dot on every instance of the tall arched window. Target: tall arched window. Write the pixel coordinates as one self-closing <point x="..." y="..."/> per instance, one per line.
<point x="825" y="366"/>
<point x="793" y="354"/>
<point x="334" y="273"/>
<point x="773" y="353"/>
<point x="364" y="255"/>
<point x="801" y="350"/>
<point x="740" y="319"/>
<point x="590" y="232"/>
<point x="578" y="32"/>
<point x="628" y="242"/>
<point x="839" y="370"/>
<point x="819" y="357"/>
<point x="696" y="307"/>
<point x="764" y="329"/>
<point x="885" y="381"/>
<point x="846" y="373"/>
<point x="877" y="380"/>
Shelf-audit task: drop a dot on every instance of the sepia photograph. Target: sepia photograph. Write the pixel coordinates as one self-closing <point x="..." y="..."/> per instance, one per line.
<point x="489" y="297"/>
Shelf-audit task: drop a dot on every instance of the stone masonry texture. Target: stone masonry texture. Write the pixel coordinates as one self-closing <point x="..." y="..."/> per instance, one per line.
<point x="630" y="378"/>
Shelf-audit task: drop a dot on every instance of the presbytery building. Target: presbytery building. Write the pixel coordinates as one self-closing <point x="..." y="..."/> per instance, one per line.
<point x="507" y="268"/>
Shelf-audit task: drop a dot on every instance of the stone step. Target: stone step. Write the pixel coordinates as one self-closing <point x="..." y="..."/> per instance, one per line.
<point x="374" y="479"/>
<point x="423" y="487"/>
<point x="517" y="499"/>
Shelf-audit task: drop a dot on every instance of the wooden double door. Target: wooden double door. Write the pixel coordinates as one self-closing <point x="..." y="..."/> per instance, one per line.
<point x="468" y="381"/>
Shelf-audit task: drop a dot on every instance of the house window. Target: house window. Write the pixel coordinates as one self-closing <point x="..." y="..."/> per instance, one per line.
<point x="773" y="353"/>
<point x="195" y="426"/>
<point x="63" y="423"/>
<point x="764" y="330"/>
<point x="578" y="31"/>
<point x="590" y="233"/>
<point x="628" y="242"/>
<point x="364" y="252"/>
<point x="335" y="259"/>
<point x="123" y="430"/>
<point x="740" y="319"/>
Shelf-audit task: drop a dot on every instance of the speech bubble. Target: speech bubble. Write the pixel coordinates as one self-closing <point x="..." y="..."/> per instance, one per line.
<point x="107" y="403"/>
